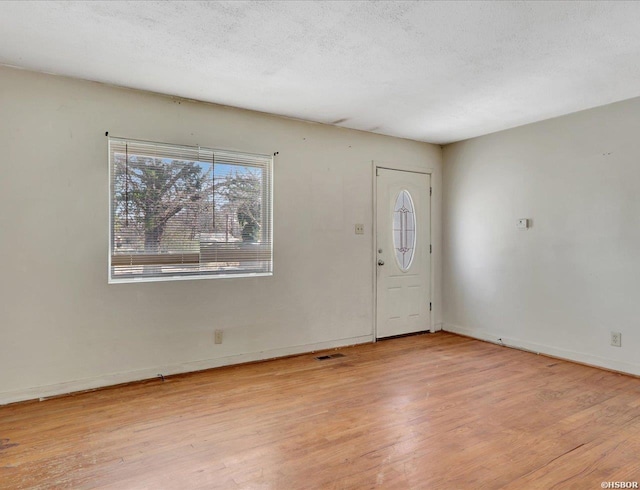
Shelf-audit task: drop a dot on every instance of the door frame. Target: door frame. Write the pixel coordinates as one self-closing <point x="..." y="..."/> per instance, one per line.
<point x="375" y="165"/>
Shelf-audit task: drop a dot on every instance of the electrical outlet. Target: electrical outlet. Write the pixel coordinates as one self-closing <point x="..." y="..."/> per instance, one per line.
<point x="616" y="339"/>
<point x="217" y="337"/>
<point x="359" y="229"/>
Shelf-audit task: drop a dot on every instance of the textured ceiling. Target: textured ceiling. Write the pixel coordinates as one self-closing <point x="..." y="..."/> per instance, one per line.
<point x="429" y="71"/>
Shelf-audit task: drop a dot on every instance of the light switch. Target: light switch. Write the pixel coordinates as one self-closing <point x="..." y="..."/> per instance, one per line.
<point x="359" y="229"/>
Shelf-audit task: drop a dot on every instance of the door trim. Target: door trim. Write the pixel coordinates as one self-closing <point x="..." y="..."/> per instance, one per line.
<point x="375" y="165"/>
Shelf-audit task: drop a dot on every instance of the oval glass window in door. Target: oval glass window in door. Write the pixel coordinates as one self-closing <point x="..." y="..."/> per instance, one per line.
<point x="404" y="230"/>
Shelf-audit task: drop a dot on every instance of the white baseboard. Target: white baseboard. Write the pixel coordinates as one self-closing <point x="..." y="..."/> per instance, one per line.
<point x="621" y="366"/>
<point x="42" y="392"/>
<point x="437" y="327"/>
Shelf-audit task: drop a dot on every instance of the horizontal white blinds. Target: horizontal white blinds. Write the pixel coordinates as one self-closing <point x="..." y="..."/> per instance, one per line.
<point x="181" y="211"/>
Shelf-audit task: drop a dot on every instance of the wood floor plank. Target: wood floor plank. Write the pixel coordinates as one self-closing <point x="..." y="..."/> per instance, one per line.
<point x="426" y="411"/>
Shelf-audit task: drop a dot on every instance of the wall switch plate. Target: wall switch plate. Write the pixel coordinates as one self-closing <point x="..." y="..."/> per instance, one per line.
<point x="217" y="337"/>
<point x="522" y="224"/>
<point x="616" y="339"/>
<point x="359" y="229"/>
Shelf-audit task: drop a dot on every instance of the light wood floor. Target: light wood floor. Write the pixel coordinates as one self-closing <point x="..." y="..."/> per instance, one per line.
<point x="426" y="412"/>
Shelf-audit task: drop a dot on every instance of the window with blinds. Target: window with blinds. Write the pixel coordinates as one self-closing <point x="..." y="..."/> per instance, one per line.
<point x="181" y="212"/>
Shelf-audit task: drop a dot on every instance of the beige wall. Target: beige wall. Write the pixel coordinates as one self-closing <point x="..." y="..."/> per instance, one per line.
<point x="562" y="286"/>
<point x="64" y="328"/>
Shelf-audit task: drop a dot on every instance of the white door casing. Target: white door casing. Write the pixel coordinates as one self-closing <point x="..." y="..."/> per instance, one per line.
<point x="403" y="252"/>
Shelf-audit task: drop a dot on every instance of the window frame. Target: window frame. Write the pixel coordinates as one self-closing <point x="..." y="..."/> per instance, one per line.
<point x="267" y="204"/>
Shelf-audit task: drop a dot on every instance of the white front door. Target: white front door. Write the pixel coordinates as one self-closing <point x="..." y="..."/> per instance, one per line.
<point x="403" y="248"/>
